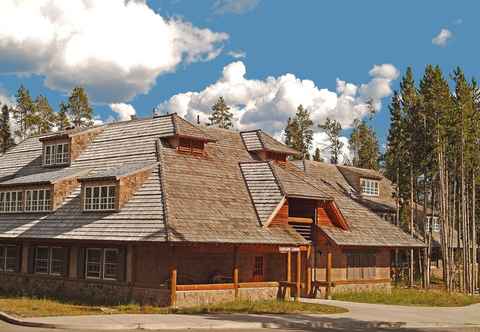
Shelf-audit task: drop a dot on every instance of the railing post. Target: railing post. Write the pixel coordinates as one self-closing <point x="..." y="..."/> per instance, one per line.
<point x="235" y="271"/>
<point x="299" y="275"/>
<point x="309" y="271"/>
<point x="329" y="276"/>
<point x="288" y="292"/>
<point x="173" y="280"/>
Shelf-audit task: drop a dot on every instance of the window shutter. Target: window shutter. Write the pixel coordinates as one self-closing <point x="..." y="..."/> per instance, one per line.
<point x="81" y="263"/>
<point x="121" y="264"/>
<point x="31" y="259"/>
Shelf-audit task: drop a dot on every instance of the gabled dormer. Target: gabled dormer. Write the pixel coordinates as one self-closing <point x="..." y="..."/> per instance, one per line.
<point x="367" y="182"/>
<point x="182" y="135"/>
<point x="60" y="149"/>
<point x="265" y="147"/>
<point x="109" y="189"/>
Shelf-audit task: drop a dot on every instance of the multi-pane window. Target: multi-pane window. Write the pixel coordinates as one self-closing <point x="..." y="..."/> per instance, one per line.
<point x="50" y="260"/>
<point x="361" y="265"/>
<point x="102" y="263"/>
<point x="8" y="258"/>
<point x="434" y="222"/>
<point x="258" y="267"/>
<point x="100" y="198"/>
<point x="38" y="200"/>
<point x="369" y="187"/>
<point x="11" y="201"/>
<point x="57" y="154"/>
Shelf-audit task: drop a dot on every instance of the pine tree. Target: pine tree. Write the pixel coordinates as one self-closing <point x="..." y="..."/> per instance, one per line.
<point x="44" y="118"/>
<point x="6" y="139"/>
<point x="299" y="132"/>
<point x="24" y="113"/>
<point x="364" y="146"/>
<point x="317" y="156"/>
<point x="333" y="129"/>
<point x="78" y="108"/>
<point x="62" y="121"/>
<point x="221" y="115"/>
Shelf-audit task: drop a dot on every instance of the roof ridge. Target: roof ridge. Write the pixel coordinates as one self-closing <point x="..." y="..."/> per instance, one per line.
<point x="302" y="179"/>
<point x="275" y="175"/>
<point x="161" y="171"/>
<point x="259" y="131"/>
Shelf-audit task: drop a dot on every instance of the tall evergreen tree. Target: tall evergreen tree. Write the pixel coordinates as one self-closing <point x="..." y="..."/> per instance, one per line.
<point x="364" y="146"/>
<point x="44" y="116"/>
<point x="333" y="129"/>
<point x="299" y="132"/>
<point x="78" y="108"/>
<point x="24" y="113"/>
<point x="221" y="115"/>
<point x="6" y="138"/>
<point x="61" y="119"/>
<point x="317" y="156"/>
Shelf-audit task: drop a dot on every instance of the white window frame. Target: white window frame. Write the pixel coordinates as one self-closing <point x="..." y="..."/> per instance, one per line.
<point x="59" y="154"/>
<point x="12" y="205"/>
<point x="93" y="203"/>
<point x="102" y="263"/>
<point x="43" y="205"/>
<point x="47" y="260"/>
<point x="4" y="258"/>
<point x="370" y="187"/>
<point x="99" y="264"/>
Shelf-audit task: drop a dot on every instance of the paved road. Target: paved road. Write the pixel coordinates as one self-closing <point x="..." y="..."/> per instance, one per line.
<point x="4" y="327"/>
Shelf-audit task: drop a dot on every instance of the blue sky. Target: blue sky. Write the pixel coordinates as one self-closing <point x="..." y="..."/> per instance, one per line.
<point x="321" y="41"/>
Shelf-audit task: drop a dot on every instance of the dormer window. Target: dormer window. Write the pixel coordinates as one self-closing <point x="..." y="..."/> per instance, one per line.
<point x="38" y="200"/>
<point x="11" y="201"/>
<point x="276" y="156"/>
<point x="189" y="145"/>
<point x="56" y="154"/>
<point x="369" y="187"/>
<point x="100" y="198"/>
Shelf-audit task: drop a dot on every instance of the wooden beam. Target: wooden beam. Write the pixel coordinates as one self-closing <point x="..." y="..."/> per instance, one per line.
<point x="299" y="276"/>
<point x="173" y="280"/>
<point x="129" y="265"/>
<point x="235" y="270"/>
<point x="289" y="274"/>
<point x="329" y="275"/>
<point x="73" y="263"/>
<point x="309" y="270"/>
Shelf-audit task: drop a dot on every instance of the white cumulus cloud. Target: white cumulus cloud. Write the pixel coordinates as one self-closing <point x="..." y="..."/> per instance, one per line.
<point x="124" y="111"/>
<point x="114" y="48"/>
<point x="442" y="38"/>
<point x="268" y="103"/>
<point x="237" y="54"/>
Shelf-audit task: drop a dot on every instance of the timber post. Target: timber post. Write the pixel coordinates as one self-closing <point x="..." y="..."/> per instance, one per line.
<point x="235" y="270"/>
<point x="289" y="275"/>
<point x="173" y="280"/>
<point x="309" y="271"/>
<point x="24" y="259"/>
<point x="129" y="265"/>
<point x="328" y="290"/>
<point x="299" y="276"/>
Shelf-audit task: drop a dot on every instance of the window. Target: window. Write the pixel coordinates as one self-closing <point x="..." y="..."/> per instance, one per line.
<point x="102" y="263"/>
<point x="11" y="201"/>
<point x="57" y="154"/>
<point x="434" y="222"/>
<point x="38" y="200"/>
<point x="369" y="187"/>
<point x="258" y="267"/>
<point x="8" y="258"/>
<point x="50" y="260"/>
<point x="361" y="265"/>
<point x="99" y="198"/>
<point x="190" y="146"/>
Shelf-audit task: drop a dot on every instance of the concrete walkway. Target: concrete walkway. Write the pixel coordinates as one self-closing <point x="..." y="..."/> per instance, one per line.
<point x="360" y="317"/>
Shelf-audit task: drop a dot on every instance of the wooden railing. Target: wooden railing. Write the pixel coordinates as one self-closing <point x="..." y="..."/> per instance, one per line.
<point x="226" y="286"/>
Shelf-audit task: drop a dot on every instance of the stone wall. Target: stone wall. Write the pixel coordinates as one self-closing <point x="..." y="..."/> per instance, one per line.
<point x="91" y="292"/>
<point x="380" y="286"/>
<point x="202" y="297"/>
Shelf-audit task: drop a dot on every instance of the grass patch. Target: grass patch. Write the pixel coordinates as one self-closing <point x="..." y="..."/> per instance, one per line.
<point x="29" y="307"/>
<point x="410" y="297"/>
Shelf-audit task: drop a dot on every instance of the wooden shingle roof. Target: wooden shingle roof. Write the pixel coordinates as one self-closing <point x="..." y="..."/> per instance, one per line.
<point x="365" y="227"/>
<point x="258" y="140"/>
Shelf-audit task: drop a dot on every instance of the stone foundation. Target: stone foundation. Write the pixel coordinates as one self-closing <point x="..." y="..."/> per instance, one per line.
<point x="380" y="286"/>
<point x="92" y="292"/>
<point x="202" y="297"/>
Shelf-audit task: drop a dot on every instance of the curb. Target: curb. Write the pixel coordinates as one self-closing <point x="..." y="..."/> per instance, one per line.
<point x="16" y="321"/>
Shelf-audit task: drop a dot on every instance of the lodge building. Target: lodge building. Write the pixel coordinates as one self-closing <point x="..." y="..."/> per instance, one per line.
<point x="162" y="211"/>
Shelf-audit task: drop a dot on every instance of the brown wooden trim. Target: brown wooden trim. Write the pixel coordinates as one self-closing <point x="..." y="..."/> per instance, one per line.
<point x="204" y="287"/>
<point x="309" y="270"/>
<point x="329" y="275"/>
<point x="363" y="282"/>
<point x="260" y="284"/>
<point x="300" y="220"/>
<point x="235" y="271"/>
<point x="289" y="273"/>
<point x="173" y="279"/>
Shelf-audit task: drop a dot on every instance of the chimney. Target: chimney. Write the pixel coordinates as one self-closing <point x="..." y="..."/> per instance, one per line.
<point x="133" y="117"/>
<point x="198" y="119"/>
